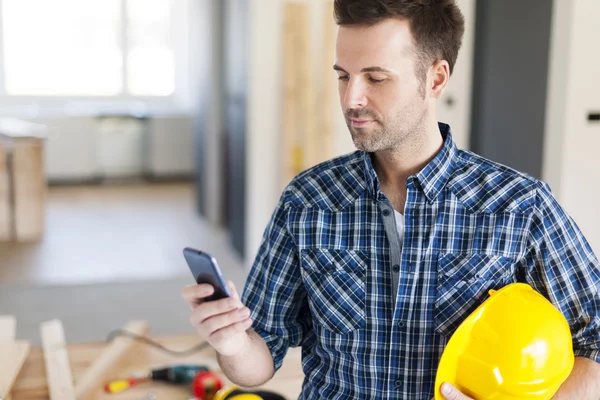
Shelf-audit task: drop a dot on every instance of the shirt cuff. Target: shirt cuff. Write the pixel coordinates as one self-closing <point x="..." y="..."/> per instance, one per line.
<point x="277" y="346"/>
<point x="593" y="355"/>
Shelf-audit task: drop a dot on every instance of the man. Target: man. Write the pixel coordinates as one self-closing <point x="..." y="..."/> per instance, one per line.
<point x="372" y="260"/>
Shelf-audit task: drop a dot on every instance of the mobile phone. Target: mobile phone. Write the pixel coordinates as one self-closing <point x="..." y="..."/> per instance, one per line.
<point x="205" y="269"/>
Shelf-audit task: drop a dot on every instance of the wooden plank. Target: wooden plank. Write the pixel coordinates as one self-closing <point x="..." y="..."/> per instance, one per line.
<point x="13" y="357"/>
<point x="291" y="155"/>
<point x="5" y="218"/>
<point x="301" y="138"/>
<point x="58" y="367"/>
<point x="307" y="121"/>
<point x="329" y="107"/>
<point x="29" y="189"/>
<point x="8" y="334"/>
<point x="31" y="383"/>
<point x="104" y="367"/>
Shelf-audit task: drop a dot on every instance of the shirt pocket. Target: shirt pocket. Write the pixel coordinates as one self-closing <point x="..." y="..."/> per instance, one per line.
<point x="335" y="283"/>
<point x="464" y="281"/>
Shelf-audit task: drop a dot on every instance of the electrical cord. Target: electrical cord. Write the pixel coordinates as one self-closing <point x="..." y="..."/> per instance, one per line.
<point x="152" y="343"/>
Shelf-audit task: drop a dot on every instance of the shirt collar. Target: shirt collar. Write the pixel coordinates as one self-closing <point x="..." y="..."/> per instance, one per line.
<point x="432" y="179"/>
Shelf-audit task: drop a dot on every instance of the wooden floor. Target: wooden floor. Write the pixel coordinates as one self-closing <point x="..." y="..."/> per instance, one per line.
<point x="108" y="233"/>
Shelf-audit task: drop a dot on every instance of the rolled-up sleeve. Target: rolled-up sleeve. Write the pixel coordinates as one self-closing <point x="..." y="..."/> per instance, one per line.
<point x="274" y="291"/>
<point x="563" y="267"/>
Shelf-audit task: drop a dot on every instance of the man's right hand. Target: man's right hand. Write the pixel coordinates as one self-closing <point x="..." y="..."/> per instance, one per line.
<point x="222" y="323"/>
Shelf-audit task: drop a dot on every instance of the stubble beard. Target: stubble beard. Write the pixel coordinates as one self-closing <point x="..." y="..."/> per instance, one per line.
<point x="406" y="126"/>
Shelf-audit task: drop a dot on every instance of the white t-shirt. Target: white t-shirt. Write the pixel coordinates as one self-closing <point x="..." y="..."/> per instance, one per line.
<point x="400" y="226"/>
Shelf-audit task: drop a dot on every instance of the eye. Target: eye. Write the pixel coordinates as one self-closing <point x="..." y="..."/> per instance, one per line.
<point x="343" y="77"/>
<point x="374" y="80"/>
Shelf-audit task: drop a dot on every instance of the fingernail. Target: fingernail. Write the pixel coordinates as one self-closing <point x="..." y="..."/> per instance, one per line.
<point x="446" y="389"/>
<point x="243" y="312"/>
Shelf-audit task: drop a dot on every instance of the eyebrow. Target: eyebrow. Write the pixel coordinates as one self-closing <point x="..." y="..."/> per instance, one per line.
<point x="368" y="69"/>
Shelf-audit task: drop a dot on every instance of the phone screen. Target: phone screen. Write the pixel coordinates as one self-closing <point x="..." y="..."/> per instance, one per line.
<point x="206" y="270"/>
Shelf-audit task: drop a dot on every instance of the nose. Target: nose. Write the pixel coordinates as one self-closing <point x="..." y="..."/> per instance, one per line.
<point x="355" y="95"/>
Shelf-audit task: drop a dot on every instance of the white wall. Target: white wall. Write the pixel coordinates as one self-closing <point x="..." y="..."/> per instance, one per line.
<point x="262" y="151"/>
<point x="572" y="165"/>
<point x="458" y="112"/>
<point x="556" y="102"/>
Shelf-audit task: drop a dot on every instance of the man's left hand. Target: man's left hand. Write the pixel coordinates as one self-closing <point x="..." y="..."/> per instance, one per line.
<point x="451" y="393"/>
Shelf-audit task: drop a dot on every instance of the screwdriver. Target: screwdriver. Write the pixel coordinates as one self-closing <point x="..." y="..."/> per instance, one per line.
<point x="177" y="375"/>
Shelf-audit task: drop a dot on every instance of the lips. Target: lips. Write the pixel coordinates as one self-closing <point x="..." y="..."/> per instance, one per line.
<point x="361" y="122"/>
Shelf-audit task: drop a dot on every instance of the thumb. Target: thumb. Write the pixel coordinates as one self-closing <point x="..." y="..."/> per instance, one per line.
<point x="451" y="393"/>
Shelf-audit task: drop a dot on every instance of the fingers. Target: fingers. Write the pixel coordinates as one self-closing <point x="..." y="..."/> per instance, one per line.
<point x="194" y="294"/>
<point x="218" y="320"/>
<point x="213" y="324"/>
<point x="230" y="331"/>
<point x="214" y="308"/>
<point x="451" y="393"/>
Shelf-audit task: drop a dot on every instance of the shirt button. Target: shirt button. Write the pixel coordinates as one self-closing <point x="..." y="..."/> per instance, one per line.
<point x="401" y="324"/>
<point x="398" y="384"/>
<point x="386" y="212"/>
<point x="396" y="268"/>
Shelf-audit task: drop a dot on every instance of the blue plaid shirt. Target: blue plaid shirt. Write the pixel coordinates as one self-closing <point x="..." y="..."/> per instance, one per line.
<point x="373" y="315"/>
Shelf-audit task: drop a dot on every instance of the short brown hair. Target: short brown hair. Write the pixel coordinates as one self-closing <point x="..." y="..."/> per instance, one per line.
<point x="437" y="26"/>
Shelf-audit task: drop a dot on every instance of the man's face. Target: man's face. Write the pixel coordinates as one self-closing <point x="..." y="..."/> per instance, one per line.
<point x="381" y="96"/>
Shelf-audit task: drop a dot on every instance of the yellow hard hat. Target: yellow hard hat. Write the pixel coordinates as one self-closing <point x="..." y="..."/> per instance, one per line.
<point x="516" y="345"/>
<point x="234" y="393"/>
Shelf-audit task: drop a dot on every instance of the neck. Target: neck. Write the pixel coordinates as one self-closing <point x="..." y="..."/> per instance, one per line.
<point x="394" y="166"/>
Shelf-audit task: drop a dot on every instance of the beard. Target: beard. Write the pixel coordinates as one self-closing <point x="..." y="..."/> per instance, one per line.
<point x="384" y="134"/>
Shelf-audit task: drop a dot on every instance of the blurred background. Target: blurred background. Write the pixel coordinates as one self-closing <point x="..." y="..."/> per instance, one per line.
<point x="130" y="129"/>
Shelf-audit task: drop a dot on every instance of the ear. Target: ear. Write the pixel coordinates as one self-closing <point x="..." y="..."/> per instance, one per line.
<point x="440" y="75"/>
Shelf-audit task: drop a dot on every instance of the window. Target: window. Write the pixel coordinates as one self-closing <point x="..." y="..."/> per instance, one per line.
<point x="88" y="47"/>
<point x="148" y="45"/>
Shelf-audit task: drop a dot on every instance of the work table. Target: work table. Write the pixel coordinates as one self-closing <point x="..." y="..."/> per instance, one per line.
<point x="31" y="382"/>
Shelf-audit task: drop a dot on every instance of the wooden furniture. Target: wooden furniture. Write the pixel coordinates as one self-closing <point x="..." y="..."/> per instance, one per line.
<point x="13" y="354"/>
<point x="31" y="384"/>
<point x="22" y="180"/>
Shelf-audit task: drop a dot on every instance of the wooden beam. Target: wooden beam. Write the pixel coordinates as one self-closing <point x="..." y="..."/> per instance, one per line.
<point x="13" y="357"/>
<point x="307" y="137"/>
<point x="58" y="367"/>
<point x="104" y="368"/>
<point x="307" y="121"/>
<point x="8" y="334"/>
<point x="328" y="108"/>
<point x="291" y="155"/>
